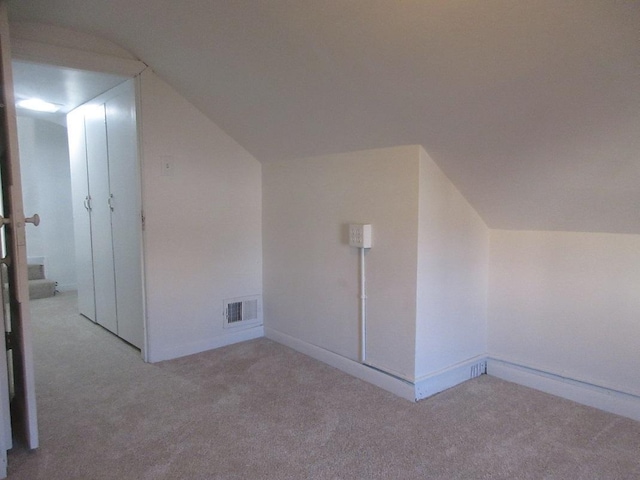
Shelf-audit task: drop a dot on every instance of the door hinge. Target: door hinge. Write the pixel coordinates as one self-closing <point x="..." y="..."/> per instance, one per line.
<point x="9" y="338"/>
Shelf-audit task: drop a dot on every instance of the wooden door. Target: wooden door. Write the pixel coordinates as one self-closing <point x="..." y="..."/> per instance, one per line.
<point x="23" y="403"/>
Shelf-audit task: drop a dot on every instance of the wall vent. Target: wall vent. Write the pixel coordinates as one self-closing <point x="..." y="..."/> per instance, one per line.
<point x="242" y="311"/>
<point x="478" y="369"/>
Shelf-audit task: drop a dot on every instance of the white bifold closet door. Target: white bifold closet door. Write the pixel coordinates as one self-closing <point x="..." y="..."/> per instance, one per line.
<point x="126" y="214"/>
<point x="108" y="236"/>
<point x="102" y="243"/>
<point x="81" y="213"/>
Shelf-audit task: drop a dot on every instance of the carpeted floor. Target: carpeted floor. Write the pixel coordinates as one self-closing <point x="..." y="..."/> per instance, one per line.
<point x="259" y="410"/>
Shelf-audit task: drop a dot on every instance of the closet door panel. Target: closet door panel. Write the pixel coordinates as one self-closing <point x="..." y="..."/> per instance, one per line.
<point x="98" y="168"/>
<point x="126" y="215"/>
<point x="81" y="213"/>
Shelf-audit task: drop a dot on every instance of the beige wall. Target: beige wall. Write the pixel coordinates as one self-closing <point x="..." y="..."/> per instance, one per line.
<point x="453" y="255"/>
<point x="202" y="241"/>
<point x="310" y="271"/>
<point x="567" y="304"/>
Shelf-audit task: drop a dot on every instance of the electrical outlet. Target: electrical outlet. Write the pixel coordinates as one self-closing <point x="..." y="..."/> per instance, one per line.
<point x="360" y="235"/>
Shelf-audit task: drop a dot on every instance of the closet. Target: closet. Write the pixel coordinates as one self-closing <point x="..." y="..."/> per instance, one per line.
<point x="105" y="181"/>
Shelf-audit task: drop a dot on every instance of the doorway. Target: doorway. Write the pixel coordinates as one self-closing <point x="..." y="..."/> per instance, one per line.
<point x="47" y="176"/>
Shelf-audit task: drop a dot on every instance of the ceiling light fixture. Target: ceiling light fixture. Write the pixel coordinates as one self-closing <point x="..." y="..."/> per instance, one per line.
<point x="38" y="105"/>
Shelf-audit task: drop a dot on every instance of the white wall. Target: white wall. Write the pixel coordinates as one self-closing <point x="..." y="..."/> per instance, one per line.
<point x="311" y="273"/>
<point x="453" y="262"/>
<point x="567" y="304"/>
<point x="46" y="184"/>
<point x="202" y="238"/>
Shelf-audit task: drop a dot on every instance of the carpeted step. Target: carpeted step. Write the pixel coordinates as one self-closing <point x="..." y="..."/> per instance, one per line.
<point x="41" y="288"/>
<point x="36" y="271"/>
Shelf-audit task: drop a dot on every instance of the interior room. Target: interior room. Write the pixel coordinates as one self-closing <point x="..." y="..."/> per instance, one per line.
<point x="424" y="196"/>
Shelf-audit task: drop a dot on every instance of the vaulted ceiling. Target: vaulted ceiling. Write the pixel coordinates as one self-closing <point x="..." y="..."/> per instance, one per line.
<point x="532" y="108"/>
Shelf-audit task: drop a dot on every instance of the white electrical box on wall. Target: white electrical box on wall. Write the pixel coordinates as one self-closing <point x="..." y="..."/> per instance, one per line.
<point x="360" y="235"/>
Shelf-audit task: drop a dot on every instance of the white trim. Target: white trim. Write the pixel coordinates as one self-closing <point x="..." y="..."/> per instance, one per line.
<point x="606" y="399"/>
<point x="568" y="374"/>
<point x="388" y="370"/>
<point x="389" y="383"/>
<point x="38" y="52"/>
<point x="143" y="242"/>
<point x="158" y="355"/>
<point x="446" y="378"/>
<point x="67" y="287"/>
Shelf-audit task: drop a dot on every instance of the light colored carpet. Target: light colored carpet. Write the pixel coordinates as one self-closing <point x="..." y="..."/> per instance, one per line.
<point x="259" y="410"/>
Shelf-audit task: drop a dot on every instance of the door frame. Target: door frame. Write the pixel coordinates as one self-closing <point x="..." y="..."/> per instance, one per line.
<point x="36" y="50"/>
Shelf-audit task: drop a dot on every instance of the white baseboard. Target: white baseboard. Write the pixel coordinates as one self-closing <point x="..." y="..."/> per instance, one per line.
<point x="70" y="287"/>
<point x="606" y="399"/>
<point x="449" y="377"/>
<point x="389" y="383"/>
<point x="158" y="355"/>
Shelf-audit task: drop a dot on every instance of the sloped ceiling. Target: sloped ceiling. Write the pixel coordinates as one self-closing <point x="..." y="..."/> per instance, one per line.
<point x="532" y="108"/>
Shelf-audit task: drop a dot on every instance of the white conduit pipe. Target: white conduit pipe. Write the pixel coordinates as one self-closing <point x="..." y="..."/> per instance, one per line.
<point x="363" y="309"/>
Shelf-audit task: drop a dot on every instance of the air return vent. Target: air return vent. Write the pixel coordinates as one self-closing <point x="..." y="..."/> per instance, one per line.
<point x="242" y="311"/>
<point x="478" y="369"/>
